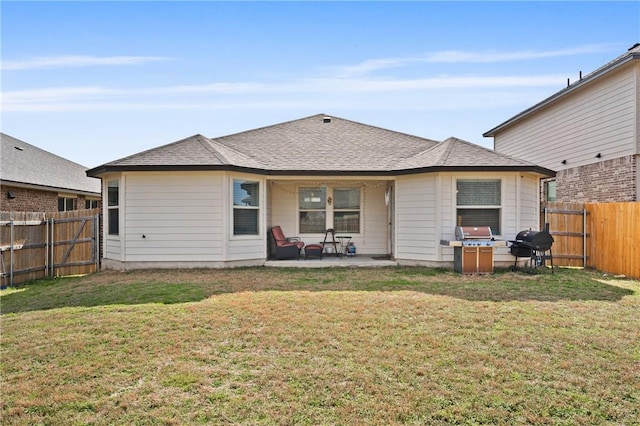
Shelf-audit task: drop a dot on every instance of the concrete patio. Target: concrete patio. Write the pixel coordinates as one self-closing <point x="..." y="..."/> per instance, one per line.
<point x="333" y="262"/>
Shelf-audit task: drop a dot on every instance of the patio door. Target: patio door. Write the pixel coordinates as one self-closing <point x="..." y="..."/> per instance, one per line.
<point x="389" y="200"/>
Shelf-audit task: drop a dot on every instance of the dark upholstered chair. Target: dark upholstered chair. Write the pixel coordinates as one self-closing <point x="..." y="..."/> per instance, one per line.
<point x="283" y="247"/>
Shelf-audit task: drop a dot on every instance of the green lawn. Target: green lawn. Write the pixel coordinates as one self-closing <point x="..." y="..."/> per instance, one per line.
<point x="322" y="347"/>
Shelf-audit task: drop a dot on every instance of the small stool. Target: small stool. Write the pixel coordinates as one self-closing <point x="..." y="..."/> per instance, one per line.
<point x="313" y="250"/>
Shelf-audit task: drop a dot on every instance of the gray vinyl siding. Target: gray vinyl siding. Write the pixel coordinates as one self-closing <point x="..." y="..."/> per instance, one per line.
<point x="602" y="118"/>
<point x="426" y="212"/>
<point x="416" y="206"/>
<point x="173" y="217"/>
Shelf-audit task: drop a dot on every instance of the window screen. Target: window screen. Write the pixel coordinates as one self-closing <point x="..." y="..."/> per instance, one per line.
<point x="473" y="197"/>
<point x="246" y="207"/>
<point x="478" y="192"/>
<point x="113" y="200"/>
<point x="312" y="210"/>
<point x="346" y="209"/>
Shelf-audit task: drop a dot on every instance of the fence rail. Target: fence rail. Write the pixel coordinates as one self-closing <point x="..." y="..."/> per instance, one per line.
<point x="604" y="236"/>
<point x="38" y="245"/>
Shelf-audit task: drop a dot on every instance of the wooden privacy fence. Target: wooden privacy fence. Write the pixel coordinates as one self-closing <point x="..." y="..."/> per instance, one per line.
<point x="568" y="225"/>
<point x="38" y="245"/>
<point x="613" y="244"/>
<point x="604" y="236"/>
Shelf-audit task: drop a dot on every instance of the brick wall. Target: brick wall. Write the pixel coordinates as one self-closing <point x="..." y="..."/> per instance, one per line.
<point x="32" y="200"/>
<point x="606" y="181"/>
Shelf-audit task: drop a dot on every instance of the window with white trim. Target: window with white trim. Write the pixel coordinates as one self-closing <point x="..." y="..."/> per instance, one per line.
<point x="346" y="210"/>
<point x="66" y="204"/>
<point x="312" y="210"/>
<point x="113" y="207"/>
<point x="478" y="203"/>
<point x="550" y="190"/>
<point x="90" y="203"/>
<point x="324" y="207"/>
<point x="246" y="207"/>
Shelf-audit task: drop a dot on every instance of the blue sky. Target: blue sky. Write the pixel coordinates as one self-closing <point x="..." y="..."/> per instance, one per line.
<point x="97" y="81"/>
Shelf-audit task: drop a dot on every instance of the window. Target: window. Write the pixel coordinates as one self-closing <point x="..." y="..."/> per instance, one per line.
<point x="326" y="207"/>
<point x="113" y="207"/>
<point x="313" y="210"/>
<point x="479" y="203"/>
<point x="246" y="207"/>
<point x="66" y="204"/>
<point x="550" y="190"/>
<point x="346" y="209"/>
<point x="90" y="204"/>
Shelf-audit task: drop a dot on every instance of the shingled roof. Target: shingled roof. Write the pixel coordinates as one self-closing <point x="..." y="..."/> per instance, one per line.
<point x="24" y="164"/>
<point x="319" y="144"/>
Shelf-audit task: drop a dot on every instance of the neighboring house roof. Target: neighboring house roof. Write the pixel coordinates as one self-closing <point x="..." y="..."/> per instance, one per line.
<point x="319" y="145"/>
<point x="23" y="164"/>
<point x="633" y="53"/>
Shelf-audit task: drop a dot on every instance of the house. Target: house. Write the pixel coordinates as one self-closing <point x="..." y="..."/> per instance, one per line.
<point x="589" y="133"/>
<point x="203" y="202"/>
<point x="34" y="180"/>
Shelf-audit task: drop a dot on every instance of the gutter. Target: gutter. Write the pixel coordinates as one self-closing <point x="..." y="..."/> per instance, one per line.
<point x="433" y="169"/>
<point x="49" y="188"/>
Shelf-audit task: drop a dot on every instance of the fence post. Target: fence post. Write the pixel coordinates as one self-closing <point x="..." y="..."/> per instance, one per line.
<point x="46" y="247"/>
<point x="546" y="215"/>
<point x="584" y="238"/>
<point x="96" y="229"/>
<point x="52" y="264"/>
<point x="11" y="259"/>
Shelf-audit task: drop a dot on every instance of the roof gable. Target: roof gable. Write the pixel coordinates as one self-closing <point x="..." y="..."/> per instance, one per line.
<point x="23" y="163"/>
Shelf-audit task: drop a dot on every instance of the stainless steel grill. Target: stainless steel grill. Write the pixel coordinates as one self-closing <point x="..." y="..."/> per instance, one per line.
<point x="472" y="249"/>
<point x="474" y="236"/>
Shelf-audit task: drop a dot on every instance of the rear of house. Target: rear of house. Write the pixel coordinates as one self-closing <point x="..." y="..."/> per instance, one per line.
<point x="204" y="202"/>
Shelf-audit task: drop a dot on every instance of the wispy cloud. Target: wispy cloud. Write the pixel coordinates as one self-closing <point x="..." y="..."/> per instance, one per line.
<point x="471" y="57"/>
<point x="76" y="61"/>
<point x="181" y="96"/>
<point x="493" y="56"/>
<point x="430" y="84"/>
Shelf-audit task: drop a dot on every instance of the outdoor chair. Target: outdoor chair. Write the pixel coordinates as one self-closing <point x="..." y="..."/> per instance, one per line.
<point x="283" y="247"/>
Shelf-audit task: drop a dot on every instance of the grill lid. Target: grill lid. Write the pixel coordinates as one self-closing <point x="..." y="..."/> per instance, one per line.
<point x="473" y="233"/>
<point x="539" y="240"/>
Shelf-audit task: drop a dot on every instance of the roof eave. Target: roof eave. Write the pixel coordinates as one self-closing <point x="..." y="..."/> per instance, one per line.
<point x="115" y="168"/>
<point x="96" y="172"/>
<point x="544" y="172"/>
<point x="48" y="188"/>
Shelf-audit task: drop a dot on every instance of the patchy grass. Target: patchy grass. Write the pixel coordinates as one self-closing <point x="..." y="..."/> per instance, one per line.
<point x="328" y="346"/>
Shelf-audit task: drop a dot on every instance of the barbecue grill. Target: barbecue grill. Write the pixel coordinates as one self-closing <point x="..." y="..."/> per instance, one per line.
<point x="473" y="249"/>
<point x="535" y="245"/>
<point x="474" y="236"/>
